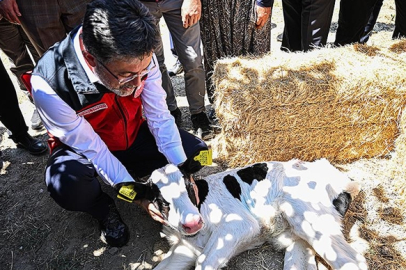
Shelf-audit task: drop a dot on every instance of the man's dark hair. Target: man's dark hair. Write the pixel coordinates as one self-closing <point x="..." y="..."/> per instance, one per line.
<point x="119" y="29"/>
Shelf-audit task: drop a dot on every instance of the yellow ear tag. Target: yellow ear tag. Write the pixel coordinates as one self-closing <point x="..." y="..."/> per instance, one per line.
<point x="205" y="157"/>
<point x="127" y="193"/>
<point x="123" y="198"/>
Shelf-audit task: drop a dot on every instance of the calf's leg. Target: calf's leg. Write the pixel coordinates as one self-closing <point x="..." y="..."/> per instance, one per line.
<point x="226" y="241"/>
<point x="179" y="257"/>
<point x="300" y="256"/>
<point x="321" y="230"/>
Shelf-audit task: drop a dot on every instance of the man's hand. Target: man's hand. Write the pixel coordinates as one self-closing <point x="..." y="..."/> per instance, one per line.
<point x="191" y="12"/>
<point x="9" y="10"/>
<point x="263" y="14"/>
<point x="151" y="210"/>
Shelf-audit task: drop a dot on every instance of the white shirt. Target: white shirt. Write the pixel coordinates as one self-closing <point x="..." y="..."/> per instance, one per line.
<point x="62" y="122"/>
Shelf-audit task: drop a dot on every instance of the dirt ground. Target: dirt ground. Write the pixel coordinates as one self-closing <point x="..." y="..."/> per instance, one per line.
<point x="35" y="233"/>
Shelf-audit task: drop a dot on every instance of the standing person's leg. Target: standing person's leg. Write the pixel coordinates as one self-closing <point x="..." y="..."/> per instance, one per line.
<point x="72" y="13"/>
<point x="16" y="45"/>
<point x="12" y="43"/>
<point x="316" y="21"/>
<point x="400" y="20"/>
<point x="43" y="21"/>
<point x="10" y="113"/>
<point x="177" y="67"/>
<point x="155" y="10"/>
<point x="72" y="182"/>
<point x="352" y="18"/>
<point x="187" y="42"/>
<point x="292" y="35"/>
<point x="12" y="118"/>
<point x="371" y="22"/>
<point x="29" y="45"/>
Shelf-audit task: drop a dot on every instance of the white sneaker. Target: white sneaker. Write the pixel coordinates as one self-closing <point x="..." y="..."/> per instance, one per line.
<point x="176" y="69"/>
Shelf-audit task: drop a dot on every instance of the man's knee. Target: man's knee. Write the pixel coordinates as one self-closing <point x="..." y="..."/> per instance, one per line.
<point x="72" y="184"/>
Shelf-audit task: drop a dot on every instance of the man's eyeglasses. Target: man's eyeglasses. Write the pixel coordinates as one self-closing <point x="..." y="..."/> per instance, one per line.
<point x="124" y="80"/>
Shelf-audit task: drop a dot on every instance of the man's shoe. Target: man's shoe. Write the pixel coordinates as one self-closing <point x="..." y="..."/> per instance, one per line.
<point x="36" y="122"/>
<point x="114" y="231"/>
<point x="177" y="114"/>
<point x="176" y="69"/>
<point x="32" y="145"/>
<point x="201" y="125"/>
<point x="279" y="37"/>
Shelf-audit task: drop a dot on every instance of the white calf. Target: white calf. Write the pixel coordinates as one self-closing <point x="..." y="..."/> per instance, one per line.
<point x="297" y="206"/>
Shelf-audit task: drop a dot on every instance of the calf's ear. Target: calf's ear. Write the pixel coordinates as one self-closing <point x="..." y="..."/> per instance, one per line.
<point x="342" y="202"/>
<point x="190" y="166"/>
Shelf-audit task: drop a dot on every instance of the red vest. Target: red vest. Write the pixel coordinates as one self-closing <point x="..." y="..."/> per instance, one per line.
<point x="115" y="119"/>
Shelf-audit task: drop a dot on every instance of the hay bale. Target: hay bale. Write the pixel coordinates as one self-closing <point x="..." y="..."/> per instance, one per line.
<point x="342" y="104"/>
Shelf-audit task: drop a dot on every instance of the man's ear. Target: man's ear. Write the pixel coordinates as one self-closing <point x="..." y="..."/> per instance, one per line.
<point x="90" y="59"/>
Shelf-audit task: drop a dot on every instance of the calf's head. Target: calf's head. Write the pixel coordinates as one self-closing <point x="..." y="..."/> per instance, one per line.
<point x="182" y="214"/>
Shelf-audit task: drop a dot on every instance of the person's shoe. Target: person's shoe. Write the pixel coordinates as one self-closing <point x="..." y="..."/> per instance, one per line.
<point x="176" y="69"/>
<point x="215" y="124"/>
<point x="201" y="125"/>
<point x="114" y="231"/>
<point x="36" y="122"/>
<point x="32" y="145"/>
<point x="279" y="37"/>
<point x="212" y="114"/>
<point x="177" y="114"/>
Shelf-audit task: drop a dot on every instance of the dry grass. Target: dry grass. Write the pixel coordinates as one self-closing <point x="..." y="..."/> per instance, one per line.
<point x="310" y="105"/>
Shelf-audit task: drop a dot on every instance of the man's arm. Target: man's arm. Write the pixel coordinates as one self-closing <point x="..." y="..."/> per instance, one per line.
<point x="160" y="121"/>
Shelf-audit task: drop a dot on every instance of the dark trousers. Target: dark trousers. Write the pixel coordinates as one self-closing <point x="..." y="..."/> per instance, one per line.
<point x="47" y="22"/>
<point x="371" y="21"/>
<point x="307" y="23"/>
<point x="72" y="180"/>
<point x="10" y="113"/>
<point x="354" y="15"/>
<point x="352" y="18"/>
<point x="16" y="44"/>
<point x="400" y="20"/>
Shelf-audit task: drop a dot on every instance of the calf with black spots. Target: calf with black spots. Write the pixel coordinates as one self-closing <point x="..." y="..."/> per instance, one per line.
<point x="297" y="206"/>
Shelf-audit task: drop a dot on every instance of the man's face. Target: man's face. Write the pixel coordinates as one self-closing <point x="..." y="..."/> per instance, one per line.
<point x="123" y="77"/>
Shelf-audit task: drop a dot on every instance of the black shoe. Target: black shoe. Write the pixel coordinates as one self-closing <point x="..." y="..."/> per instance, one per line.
<point x="177" y="114"/>
<point x="215" y="124"/>
<point x="176" y="69"/>
<point x="212" y="115"/>
<point x="114" y="231"/>
<point x="32" y="145"/>
<point x="36" y="122"/>
<point x="201" y="125"/>
<point x="279" y="37"/>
